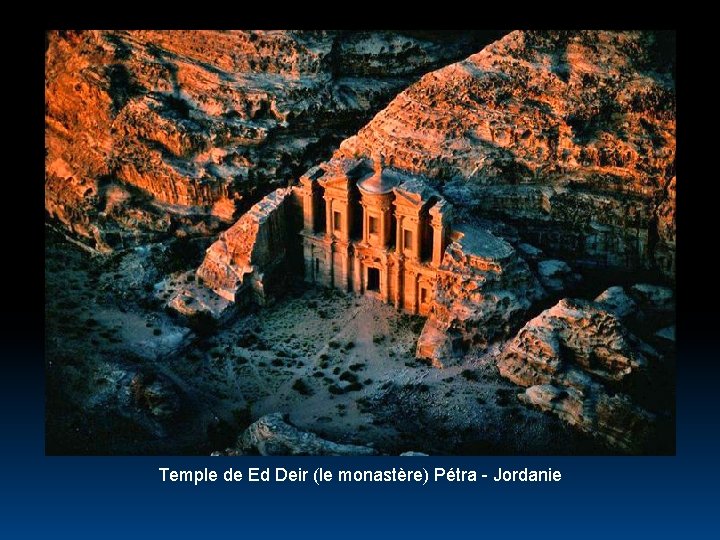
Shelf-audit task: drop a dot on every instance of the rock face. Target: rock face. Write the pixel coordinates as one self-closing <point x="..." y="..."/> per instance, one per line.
<point x="149" y="132"/>
<point x="271" y="435"/>
<point x="615" y="418"/>
<point x="653" y="297"/>
<point x="579" y="361"/>
<point x="484" y="288"/>
<point x="646" y="309"/>
<point x="256" y="244"/>
<point x="569" y="135"/>
<point x="249" y="261"/>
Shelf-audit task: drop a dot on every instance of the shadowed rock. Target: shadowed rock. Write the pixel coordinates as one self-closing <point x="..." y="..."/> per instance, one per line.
<point x="271" y="435"/>
<point x="556" y="275"/>
<point x="579" y="361"/>
<point x="484" y="289"/>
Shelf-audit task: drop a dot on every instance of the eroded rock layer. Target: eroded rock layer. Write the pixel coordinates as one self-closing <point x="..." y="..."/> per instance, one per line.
<point x="580" y="361"/>
<point x="248" y="262"/>
<point x="257" y="242"/>
<point x="148" y="132"/>
<point x="569" y="134"/>
<point x="483" y="291"/>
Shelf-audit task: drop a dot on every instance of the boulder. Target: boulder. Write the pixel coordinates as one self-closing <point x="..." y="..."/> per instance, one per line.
<point x="620" y="422"/>
<point x="653" y="297"/>
<point x="572" y="337"/>
<point x="578" y="361"/>
<point x="435" y="344"/>
<point x="272" y="435"/>
<point x="617" y="301"/>
<point x="667" y="333"/>
<point x="556" y="275"/>
<point x="483" y="291"/>
<point x="649" y="310"/>
<point x="530" y="252"/>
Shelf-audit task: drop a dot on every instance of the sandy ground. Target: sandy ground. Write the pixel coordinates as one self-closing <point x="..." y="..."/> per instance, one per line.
<point x="124" y="377"/>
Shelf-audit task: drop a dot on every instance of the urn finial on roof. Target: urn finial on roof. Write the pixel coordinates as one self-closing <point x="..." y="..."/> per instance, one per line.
<point x="378" y="161"/>
<point x="378" y="182"/>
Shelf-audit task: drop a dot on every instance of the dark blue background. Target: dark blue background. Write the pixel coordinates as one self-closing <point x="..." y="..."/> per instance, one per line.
<point x="121" y="497"/>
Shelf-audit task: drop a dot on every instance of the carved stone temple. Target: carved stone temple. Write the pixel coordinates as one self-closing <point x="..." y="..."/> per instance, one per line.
<point x="372" y="230"/>
<point x="355" y="225"/>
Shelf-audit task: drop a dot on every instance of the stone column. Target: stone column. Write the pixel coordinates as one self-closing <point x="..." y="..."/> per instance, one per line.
<point x="399" y="247"/>
<point x="398" y="282"/>
<point x="326" y="271"/>
<point x="418" y="239"/>
<point x="437" y="218"/>
<point x="382" y="234"/>
<point x="308" y="209"/>
<point x="366" y="225"/>
<point x="309" y="261"/>
<point x="385" y="221"/>
<point x="348" y="221"/>
<point x="438" y="240"/>
<point x="331" y="264"/>
<point x="416" y="305"/>
<point x="328" y="218"/>
<point x="357" y="278"/>
<point x="386" y="280"/>
<point x="346" y="268"/>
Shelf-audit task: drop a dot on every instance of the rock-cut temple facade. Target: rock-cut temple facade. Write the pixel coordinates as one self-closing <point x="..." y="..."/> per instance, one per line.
<point x="372" y="230"/>
<point x="360" y="227"/>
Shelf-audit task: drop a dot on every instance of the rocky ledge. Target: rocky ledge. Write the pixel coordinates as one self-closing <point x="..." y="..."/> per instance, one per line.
<point x="247" y="263"/>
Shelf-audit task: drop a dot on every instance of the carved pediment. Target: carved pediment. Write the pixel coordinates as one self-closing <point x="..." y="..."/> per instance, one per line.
<point x="407" y="198"/>
<point x="312" y="175"/>
<point x="336" y="182"/>
<point x="414" y="192"/>
<point x="342" y="175"/>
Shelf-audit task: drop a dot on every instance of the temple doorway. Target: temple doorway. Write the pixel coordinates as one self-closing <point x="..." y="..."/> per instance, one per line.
<point x="373" y="279"/>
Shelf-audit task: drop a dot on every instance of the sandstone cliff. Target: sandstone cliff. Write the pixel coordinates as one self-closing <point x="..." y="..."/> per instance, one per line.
<point x="151" y="132"/>
<point x="570" y="135"/>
